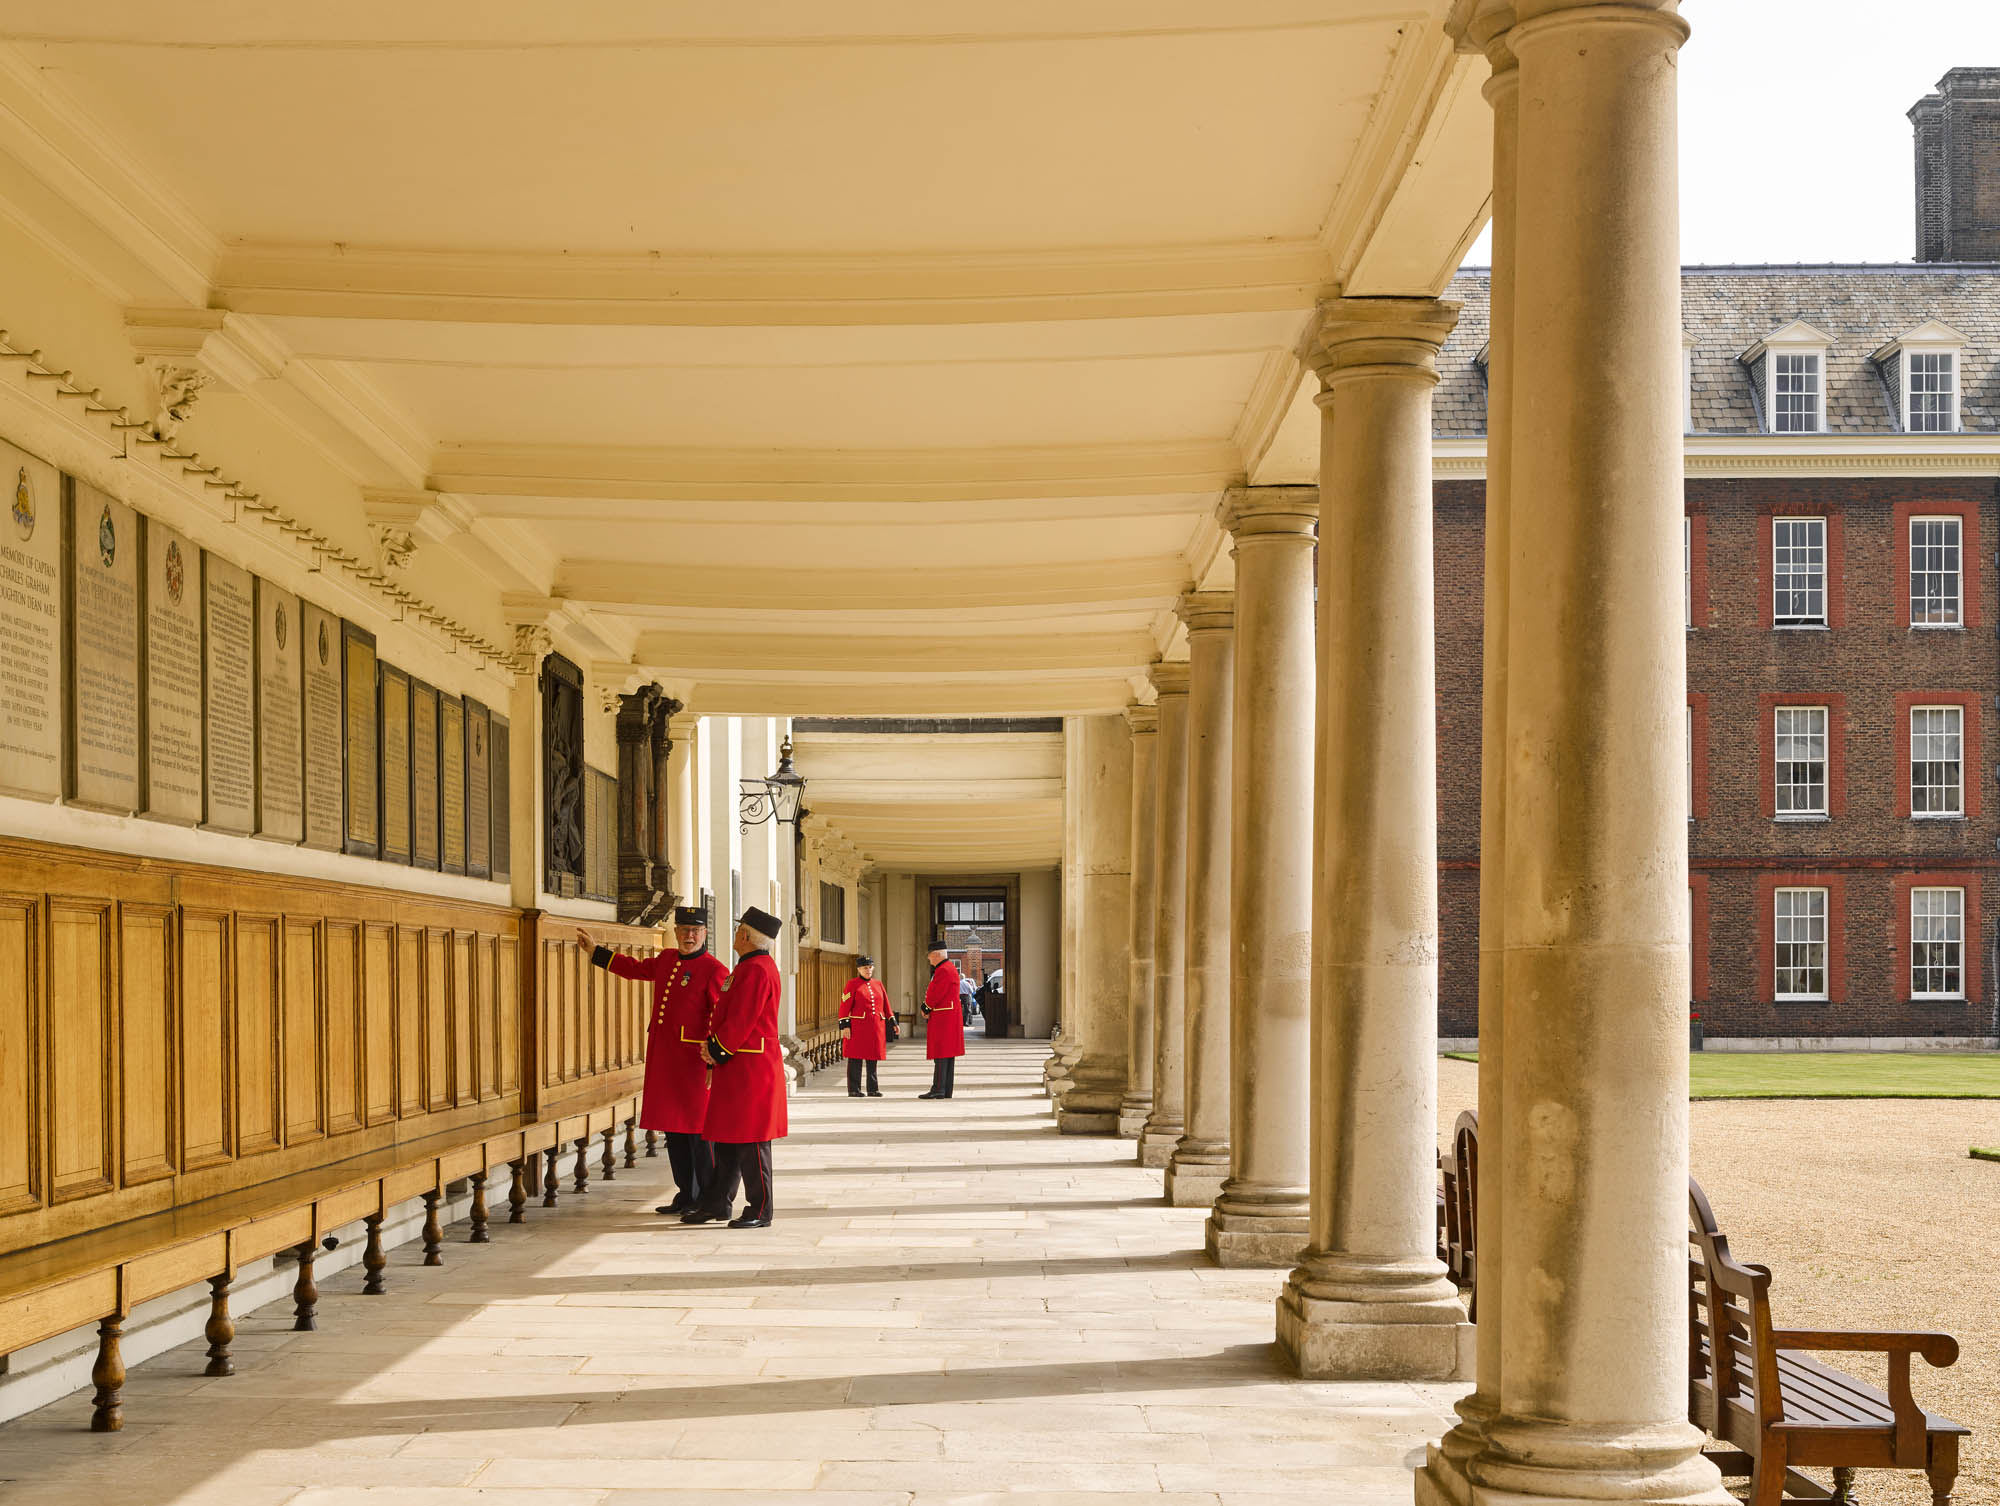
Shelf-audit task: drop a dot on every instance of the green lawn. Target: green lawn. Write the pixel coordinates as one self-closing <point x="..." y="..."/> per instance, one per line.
<point x="1838" y="1074"/>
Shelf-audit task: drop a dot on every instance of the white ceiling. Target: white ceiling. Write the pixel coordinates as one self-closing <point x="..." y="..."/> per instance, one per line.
<point x="972" y="310"/>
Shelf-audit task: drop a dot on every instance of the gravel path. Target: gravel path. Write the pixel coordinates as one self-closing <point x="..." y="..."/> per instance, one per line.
<point x="1871" y="1215"/>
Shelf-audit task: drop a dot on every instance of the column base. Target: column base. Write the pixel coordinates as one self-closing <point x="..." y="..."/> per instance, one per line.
<point x="1532" y="1463"/>
<point x="1157" y="1141"/>
<point x="1132" y="1114"/>
<point x="1195" y="1177"/>
<point x="1325" y="1340"/>
<point x="1444" y="1479"/>
<point x="1274" y="1235"/>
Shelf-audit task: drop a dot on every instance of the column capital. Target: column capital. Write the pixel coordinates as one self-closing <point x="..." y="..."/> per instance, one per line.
<point x="1169" y="677"/>
<point x="1482" y="26"/>
<point x="1266" y="511"/>
<point x="1377" y="336"/>
<point x="1142" y="719"/>
<point x="1207" y="611"/>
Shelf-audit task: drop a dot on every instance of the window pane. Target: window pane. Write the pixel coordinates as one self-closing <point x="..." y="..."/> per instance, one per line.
<point x="1934" y="571"/>
<point x="1936" y="775"/>
<point x="1799" y="935"/>
<point x="1799" y="741"/>
<point x="1931" y="378"/>
<point x="1937" y="943"/>
<point x="1795" y="394"/>
<point x="1798" y="570"/>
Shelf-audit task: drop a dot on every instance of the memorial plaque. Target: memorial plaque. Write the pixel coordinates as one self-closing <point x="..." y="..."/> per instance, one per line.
<point x="423" y="774"/>
<point x="593" y="858"/>
<point x="395" y="725"/>
<point x="361" y="735"/>
<point x="228" y="697"/>
<point x="103" y="651"/>
<point x="451" y="782"/>
<point x="323" y="741"/>
<point x="478" y="790"/>
<point x="31" y="627"/>
<point x="172" y="607"/>
<point x="280" y="716"/>
<point x="501" y="783"/>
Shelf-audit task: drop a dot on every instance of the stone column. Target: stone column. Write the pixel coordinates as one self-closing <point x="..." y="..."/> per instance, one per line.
<point x="1443" y="1481"/>
<point x="1260" y="1216"/>
<point x="1592" y="1159"/>
<point x="1371" y="1300"/>
<point x="1097" y="1080"/>
<point x="1200" y="1162"/>
<point x="1164" y="1122"/>
<point x="1144" y="723"/>
<point x="1063" y="1050"/>
<point x="680" y="811"/>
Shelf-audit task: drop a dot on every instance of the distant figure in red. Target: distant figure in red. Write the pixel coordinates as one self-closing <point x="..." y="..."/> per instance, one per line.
<point x="746" y="1100"/>
<point x="944" y="1026"/>
<point x="685" y="987"/>
<point x="864" y="1022"/>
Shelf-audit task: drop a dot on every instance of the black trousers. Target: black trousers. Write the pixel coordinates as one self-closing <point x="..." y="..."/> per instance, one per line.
<point x="854" y="1066"/>
<point x="942" y="1071"/>
<point x="693" y="1161"/>
<point x="747" y="1165"/>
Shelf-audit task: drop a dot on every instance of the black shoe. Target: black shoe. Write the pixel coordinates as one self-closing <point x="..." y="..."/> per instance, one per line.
<point x="873" y="1093"/>
<point x="927" y="1095"/>
<point x="702" y="1216"/>
<point x="677" y="1207"/>
<point x="855" y="1093"/>
<point x="747" y="1222"/>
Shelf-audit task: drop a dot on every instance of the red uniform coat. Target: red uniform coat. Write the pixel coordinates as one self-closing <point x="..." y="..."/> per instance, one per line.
<point x="684" y="993"/>
<point x="746" y="1099"/>
<point x="867" y="1005"/>
<point x="944" y="1027"/>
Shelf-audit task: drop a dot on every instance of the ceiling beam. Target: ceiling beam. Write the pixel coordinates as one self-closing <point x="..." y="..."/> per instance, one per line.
<point x="487" y="287"/>
<point x="898" y="697"/>
<point x="613" y="584"/>
<point x="862" y="653"/>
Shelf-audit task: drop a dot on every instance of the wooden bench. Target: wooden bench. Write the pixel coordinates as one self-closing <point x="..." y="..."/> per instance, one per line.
<point x="1759" y="1392"/>
<point x="1458" y="1206"/>
<point x="49" y="1289"/>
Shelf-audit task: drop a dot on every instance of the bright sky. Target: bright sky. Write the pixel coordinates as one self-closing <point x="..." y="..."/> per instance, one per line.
<point x="1794" y="141"/>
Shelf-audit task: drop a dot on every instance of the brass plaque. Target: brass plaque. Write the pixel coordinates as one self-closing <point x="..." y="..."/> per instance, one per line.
<point x="172" y="610"/>
<point x="280" y="716"/>
<point x="423" y="774"/>
<point x="451" y="782"/>
<point x="323" y="740"/>
<point x="228" y="699"/>
<point x="103" y="652"/>
<point x="361" y="733"/>
<point x="478" y="790"/>
<point x="503" y="811"/>
<point x="31" y="627"/>
<point x="395" y="726"/>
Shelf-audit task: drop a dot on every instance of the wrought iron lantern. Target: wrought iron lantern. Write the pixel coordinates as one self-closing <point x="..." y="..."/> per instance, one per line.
<point x="779" y="796"/>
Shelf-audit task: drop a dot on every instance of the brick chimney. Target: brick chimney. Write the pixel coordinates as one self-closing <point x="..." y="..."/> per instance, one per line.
<point x="1958" y="167"/>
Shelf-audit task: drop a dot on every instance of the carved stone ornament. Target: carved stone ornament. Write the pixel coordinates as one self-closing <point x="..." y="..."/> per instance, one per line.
<point x="533" y="642"/>
<point x="179" y="387"/>
<point x="609" y="697"/>
<point x="396" y="543"/>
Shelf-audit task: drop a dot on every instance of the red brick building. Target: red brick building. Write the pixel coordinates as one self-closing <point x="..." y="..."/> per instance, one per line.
<point x="1843" y="669"/>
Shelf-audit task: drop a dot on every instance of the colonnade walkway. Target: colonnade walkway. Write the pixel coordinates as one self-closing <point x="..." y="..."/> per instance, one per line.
<point x="955" y="1303"/>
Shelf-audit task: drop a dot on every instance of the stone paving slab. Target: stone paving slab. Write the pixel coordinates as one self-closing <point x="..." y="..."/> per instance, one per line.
<point x="956" y="1307"/>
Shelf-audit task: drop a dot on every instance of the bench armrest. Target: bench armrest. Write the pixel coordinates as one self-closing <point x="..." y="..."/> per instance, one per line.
<point x="1939" y="1349"/>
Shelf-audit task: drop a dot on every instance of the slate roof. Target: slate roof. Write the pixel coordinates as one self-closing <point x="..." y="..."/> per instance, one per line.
<point x="1729" y="309"/>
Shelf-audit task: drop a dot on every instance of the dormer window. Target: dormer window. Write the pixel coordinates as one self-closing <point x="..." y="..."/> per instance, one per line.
<point x="1922" y="370"/>
<point x="1789" y="368"/>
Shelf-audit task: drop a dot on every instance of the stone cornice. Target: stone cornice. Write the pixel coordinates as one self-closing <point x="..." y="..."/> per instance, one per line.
<point x="1766" y="455"/>
<point x="1207" y="611"/>
<point x="1169" y="676"/>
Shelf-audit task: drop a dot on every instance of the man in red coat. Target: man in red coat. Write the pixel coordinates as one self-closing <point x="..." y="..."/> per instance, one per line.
<point x="686" y="985"/>
<point x="864" y="1022"/>
<point x="944" y="1026"/>
<point x="746" y="1100"/>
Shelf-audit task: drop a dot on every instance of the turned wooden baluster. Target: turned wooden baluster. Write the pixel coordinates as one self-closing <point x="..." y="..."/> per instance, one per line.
<point x="517" y="1194"/>
<point x="478" y="1236"/>
<point x="373" y="1261"/>
<point x="433" y="1231"/>
<point x="610" y="1161"/>
<point x="582" y="1165"/>
<point x="550" y="1181"/>
<point x="651" y="1148"/>
<point x="631" y="1143"/>
<point x="305" y="1293"/>
<point x="107" y="1410"/>
<point x="221" y="1329"/>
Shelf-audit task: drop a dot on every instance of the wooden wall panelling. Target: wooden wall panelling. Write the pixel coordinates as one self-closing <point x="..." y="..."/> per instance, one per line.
<point x="486" y="1021"/>
<point x="342" y="1016"/>
<point x="572" y="1010"/>
<point x="409" y="1021"/>
<point x="437" y="1019"/>
<point x="20" y="1053"/>
<point x="508" y="1001"/>
<point x="82" y="1066"/>
<point x="378" y="1023"/>
<point x="257" y="1036"/>
<point x="304" y="1050"/>
<point x="464" y="1011"/>
<point x="147" y="1016"/>
<point x="206" y="1060"/>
